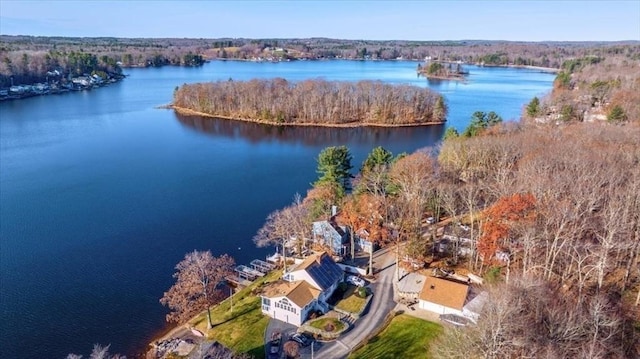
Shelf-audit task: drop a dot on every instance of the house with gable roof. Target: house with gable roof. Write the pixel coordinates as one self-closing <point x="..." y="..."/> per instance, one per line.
<point x="290" y="302"/>
<point x="304" y="288"/>
<point x="330" y="235"/>
<point x="443" y="296"/>
<point x="452" y="299"/>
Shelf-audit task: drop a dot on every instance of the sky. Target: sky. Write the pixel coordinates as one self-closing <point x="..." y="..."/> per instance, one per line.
<point x="541" y="20"/>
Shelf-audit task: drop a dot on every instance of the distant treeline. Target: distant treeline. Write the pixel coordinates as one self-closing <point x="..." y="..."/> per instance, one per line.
<point x="498" y="53"/>
<point x="137" y="52"/>
<point x="27" y="60"/>
<point x="279" y="101"/>
<point x="54" y="66"/>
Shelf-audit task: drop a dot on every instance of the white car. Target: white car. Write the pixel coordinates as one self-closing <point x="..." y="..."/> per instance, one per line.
<point x="357" y="281"/>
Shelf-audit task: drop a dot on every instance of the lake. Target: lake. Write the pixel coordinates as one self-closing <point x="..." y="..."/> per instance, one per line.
<point x="102" y="193"/>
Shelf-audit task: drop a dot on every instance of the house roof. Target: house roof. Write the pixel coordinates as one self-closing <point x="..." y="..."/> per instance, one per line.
<point x="328" y="229"/>
<point x="322" y="269"/>
<point x="444" y="292"/>
<point x="299" y="292"/>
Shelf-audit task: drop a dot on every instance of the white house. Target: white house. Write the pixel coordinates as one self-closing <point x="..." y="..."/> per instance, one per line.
<point x="443" y="296"/>
<point x="290" y="302"/>
<point x="305" y="287"/>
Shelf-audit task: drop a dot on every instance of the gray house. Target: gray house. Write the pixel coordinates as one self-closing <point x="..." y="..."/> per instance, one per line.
<point x="332" y="236"/>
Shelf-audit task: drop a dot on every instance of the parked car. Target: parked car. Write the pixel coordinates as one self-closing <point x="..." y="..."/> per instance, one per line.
<point x="274" y="345"/>
<point x="301" y="339"/>
<point x="464" y="227"/>
<point x="357" y="281"/>
<point x="431" y="220"/>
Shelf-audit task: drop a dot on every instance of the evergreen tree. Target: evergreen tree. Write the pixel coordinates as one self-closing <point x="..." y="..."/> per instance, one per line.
<point x="533" y="108"/>
<point x="440" y="110"/>
<point x="480" y="121"/>
<point x="450" y="133"/>
<point x="334" y="166"/>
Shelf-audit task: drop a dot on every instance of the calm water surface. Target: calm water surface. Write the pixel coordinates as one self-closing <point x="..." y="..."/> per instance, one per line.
<point x="101" y="193"/>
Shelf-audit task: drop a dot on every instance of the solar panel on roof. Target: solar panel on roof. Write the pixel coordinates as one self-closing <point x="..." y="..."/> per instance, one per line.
<point x="325" y="273"/>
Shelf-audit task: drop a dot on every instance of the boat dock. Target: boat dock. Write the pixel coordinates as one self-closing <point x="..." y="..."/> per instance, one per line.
<point x="245" y="275"/>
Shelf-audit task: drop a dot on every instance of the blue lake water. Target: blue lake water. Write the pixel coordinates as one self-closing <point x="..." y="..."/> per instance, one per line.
<point x="101" y="193"/>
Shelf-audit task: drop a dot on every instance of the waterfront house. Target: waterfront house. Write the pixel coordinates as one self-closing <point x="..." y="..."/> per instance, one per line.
<point x="290" y="302"/>
<point x="304" y="288"/>
<point x="330" y="235"/>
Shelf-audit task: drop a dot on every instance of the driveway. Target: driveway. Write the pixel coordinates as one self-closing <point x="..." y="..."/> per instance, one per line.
<point x="381" y="304"/>
<point x="287" y="330"/>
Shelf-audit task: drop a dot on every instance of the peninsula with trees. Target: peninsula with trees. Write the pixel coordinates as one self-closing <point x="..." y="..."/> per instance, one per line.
<point x="313" y="103"/>
<point x="544" y="212"/>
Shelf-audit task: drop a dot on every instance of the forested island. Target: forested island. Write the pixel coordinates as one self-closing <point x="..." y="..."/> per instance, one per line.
<point x="313" y="102"/>
<point x="442" y="70"/>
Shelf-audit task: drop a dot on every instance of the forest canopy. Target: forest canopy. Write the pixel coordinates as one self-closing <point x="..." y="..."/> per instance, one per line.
<point x="314" y="102"/>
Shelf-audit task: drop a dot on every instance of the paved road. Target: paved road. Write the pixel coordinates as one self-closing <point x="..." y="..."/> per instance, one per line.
<point x="381" y="304"/>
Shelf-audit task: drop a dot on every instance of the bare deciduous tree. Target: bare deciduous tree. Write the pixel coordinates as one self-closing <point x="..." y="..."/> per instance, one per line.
<point x="197" y="278"/>
<point x="282" y="226"/>
<point x="531" y="318"/>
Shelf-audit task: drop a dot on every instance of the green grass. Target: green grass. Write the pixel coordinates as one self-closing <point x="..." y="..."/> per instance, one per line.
<point x="243" y="329"/>
<point x="405" y="337"/>
<point x="350" y="302"/>
<point x="322" y="322"/>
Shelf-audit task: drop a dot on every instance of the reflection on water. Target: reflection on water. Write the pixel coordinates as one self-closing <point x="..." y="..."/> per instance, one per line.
<point x="102" y="193"/>
<point x="311" y="136"/>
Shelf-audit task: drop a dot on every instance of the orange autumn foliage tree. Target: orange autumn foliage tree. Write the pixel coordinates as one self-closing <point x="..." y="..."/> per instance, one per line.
<point x="500" y="221"/>
<point x="364" y="214"/>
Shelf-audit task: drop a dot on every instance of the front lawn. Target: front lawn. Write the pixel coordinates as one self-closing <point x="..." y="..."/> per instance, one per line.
<point x="326" y="323"/>
<point x="405" y="337"/>
<point x="243" y="329"/>
<point x="350" y="301"/>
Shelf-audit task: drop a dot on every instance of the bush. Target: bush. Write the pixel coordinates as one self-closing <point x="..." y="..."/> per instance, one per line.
<point x="493" y="275"/>
<point x="291" y="349"/>
<point x="362" y="292"/>
<point x="342" y="286"/>
<point x="616" y="114"/>
<point x="329" y="327"/>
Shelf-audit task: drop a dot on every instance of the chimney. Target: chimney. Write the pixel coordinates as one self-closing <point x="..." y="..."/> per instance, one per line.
<point x="334" y="210"/>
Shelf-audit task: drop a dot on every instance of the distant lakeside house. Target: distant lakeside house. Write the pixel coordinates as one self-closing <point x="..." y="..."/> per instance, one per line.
<point x="303" y="289"/>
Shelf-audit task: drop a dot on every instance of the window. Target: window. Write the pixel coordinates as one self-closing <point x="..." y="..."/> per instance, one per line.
<point x="266" y="303"/>
<point x="284" y="304"/>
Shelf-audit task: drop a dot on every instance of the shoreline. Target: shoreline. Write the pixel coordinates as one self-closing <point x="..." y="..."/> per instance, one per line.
<point x="58" y="90"/>
<point x="524" y="67"/>
<point x="189" y="112"/>
<point x="442" y="78"/>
